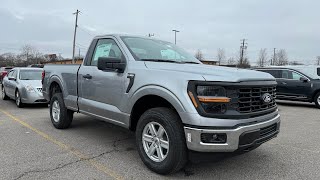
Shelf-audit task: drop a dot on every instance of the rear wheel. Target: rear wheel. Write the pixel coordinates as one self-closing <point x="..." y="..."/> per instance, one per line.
<point x="61" y="117"/>
<point x="317" y="100"/>
<point x="18" y="100"/>
<point x="160" y="140"/>
<point x="3" y="94"/>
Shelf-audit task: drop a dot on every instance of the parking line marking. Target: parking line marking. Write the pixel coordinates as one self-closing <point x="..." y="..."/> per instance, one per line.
<point x="77" y="153"/>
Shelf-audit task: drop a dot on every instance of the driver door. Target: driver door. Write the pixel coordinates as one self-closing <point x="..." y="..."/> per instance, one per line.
<point x="10" y="84"/>
<point x="294" y="86"/>
<point x="102" y="92"/>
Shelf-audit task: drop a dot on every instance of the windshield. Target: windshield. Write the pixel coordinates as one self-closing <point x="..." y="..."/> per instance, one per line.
<point x="30" y="75"/>
<point x="145" y="49"/>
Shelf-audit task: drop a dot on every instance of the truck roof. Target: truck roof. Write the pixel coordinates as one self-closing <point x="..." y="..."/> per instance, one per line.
<point x="119" y="35"/>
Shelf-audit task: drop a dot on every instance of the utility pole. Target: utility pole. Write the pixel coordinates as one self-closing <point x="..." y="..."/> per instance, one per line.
<point x="175" y="35"/>
<point x="242" y="48"/>
<point x="74" y="35"/>
<point x="274" y="56"/>
<point x="150" y="35"/>
<point x="79" y="53"/>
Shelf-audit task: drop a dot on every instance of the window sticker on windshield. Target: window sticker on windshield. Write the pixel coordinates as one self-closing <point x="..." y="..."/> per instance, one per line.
<point x="169" y="54"/>
<point x="102" y="51"/>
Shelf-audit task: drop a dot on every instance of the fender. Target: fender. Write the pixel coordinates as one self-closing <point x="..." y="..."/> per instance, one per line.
<point x="159" y="91"/>
<point x="55" y="78"/>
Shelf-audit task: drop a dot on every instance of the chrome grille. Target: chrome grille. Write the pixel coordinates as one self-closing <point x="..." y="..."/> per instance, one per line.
<point x="249" y="99"/>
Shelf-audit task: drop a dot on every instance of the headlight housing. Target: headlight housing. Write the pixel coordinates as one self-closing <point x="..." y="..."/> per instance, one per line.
<point x="209" y="98"/>
<point x="29" y="88"/>
<point x="213" y="99"/>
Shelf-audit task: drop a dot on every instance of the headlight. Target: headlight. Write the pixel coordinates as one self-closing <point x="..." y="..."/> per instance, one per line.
<point x="213" y="99"/>
<point x="29" y="88"/>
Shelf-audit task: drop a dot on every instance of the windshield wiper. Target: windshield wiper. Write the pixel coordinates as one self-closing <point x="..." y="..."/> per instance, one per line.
<point x="190" y="62"/>
<point x="161" y="60"/>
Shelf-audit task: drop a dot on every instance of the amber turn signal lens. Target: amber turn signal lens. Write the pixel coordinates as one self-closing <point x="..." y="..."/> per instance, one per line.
<point x="209" y="99"/>
<point x="193" y="99"/>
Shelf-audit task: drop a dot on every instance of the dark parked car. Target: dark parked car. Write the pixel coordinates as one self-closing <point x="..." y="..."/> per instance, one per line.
<point x="4" y="72"/>
<point x="297" y="83"/>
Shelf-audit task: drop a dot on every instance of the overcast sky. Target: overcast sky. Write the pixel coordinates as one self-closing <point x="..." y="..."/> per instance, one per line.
<point x="293" y="25"/>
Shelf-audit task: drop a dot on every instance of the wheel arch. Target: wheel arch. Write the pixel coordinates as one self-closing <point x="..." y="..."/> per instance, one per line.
<point x="150" y="97"/>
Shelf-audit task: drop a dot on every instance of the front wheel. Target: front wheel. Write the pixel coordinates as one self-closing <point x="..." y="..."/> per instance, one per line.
<point x="18" y="100"/>
<point x="317" y="100"/>
<point x="61" y="117"/>
<point x="160" y="140"/>
<point x="3" y="94"/>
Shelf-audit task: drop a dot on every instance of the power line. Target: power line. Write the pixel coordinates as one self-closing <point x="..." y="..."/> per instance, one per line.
<point x="74" y="35"/>
<point x="84" y="30"/>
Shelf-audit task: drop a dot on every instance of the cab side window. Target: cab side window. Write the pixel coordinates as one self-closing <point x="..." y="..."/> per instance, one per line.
<point x="286" y="74"/>
<point x="296" y="76"/>
<point x="274" y="73"/>
<point x="106" y="48"/>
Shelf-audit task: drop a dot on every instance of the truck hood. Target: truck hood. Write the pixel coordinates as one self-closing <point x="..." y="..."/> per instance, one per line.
<point x="212" y="73"/>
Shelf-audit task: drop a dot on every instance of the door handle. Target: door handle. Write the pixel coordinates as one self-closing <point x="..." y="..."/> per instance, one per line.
<point x="284" y="83"/>
<point x="87" y="76"/>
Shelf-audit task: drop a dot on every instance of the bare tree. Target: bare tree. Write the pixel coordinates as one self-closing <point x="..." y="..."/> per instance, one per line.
<point x="262" y="61"/>
<point x="282" y="58"/>
<point x="199" y="55"/>
<point x="318" y="60"/>
<point x="221" y="55"/>
<point x="231" y="61"/>
<point x="245" y="62"/>
<point x="31" y="55"/>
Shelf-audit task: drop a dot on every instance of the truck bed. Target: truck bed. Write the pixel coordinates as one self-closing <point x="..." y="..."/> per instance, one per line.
<point x="65" y="74"/>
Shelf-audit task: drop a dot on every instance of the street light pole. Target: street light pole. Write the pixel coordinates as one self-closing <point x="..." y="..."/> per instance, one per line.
<point x="175" y="35"/>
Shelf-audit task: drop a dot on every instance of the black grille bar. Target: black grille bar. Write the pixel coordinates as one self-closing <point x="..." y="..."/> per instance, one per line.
<point x="250" y="99"/>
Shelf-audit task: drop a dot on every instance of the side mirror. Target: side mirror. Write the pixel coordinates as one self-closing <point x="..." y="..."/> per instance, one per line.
<point x="115" y="64"/>
<point x="12" y="78"/>
<point x="304" y="79"/>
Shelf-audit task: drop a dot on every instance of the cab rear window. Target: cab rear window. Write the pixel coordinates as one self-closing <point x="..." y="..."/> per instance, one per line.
<point x="318" y="71"/>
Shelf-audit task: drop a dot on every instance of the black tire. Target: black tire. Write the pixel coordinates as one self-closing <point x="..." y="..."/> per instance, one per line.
<point x="65" y="115"/>
<point x="4" y="95"/>
<point x="177" y="155"/>
<point x="18" y="99"/>
<point x="317" y="100"/>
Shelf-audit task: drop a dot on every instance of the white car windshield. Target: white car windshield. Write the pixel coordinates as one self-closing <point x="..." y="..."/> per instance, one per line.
<point x="30" y="75"/>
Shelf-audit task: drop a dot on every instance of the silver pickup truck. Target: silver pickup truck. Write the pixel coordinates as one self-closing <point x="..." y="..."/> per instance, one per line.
<point x="172" y="101"/>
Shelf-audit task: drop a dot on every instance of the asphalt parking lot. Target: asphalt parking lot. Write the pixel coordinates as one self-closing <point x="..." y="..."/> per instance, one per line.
<point x="31" y="148"/>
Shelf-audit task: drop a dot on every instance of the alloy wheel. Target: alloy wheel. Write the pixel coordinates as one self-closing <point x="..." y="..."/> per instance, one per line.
<point x="18" y="100"/>
<point x="155" y="141"/>
<point x="55" y="111"/>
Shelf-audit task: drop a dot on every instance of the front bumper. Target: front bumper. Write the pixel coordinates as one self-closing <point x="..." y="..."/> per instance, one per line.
<point x="35" y="97"/>
<point x="235" y="137"/>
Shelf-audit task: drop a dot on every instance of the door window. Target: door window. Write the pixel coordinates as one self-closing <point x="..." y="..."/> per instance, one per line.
<point x="10" y="74"/>
<point x="274" y="73"/>
<point x="14" y="74"/>
<point x="296" y="76"/>
<point x="106" y="48"/>
<point x="287" y="74"/>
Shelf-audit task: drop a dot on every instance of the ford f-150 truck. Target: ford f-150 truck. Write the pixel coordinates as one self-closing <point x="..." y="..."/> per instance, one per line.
<point x="172" y="101"/>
